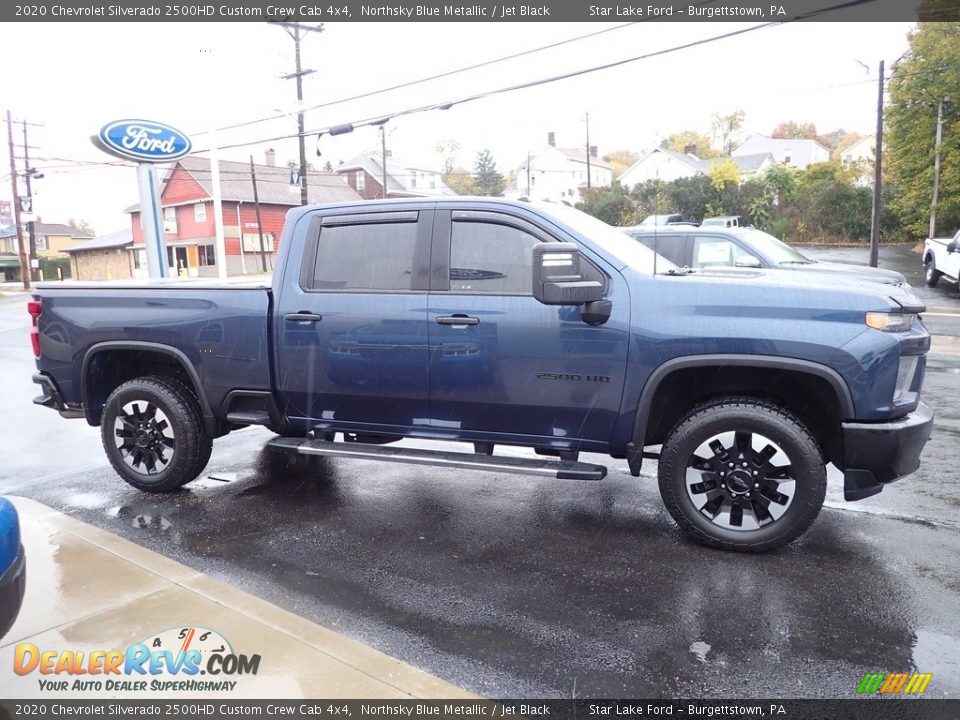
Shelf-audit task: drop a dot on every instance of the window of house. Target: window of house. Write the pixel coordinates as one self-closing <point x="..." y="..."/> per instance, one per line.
<point x="170" y="214"/>
<point x="491" y="259"/>
<point x="413" y="179"/>
<point x="200" y="213"/>
<point x="207" y="256"/>
<point x="376" y="256"/>
<point x="361" y="180"/>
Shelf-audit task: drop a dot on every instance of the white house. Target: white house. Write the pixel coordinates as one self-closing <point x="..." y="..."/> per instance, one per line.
<point x="863" y="149"/>
<point x="364" y="173"/>
<point x="560" y="173"/>
<point x="795" y="152"/>
<point x="667" y="165"/>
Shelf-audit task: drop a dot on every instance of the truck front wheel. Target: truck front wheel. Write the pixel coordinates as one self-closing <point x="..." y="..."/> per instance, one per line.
<point x="931" y="276"/>
<point x="153" y="434"/>
<point x="742" y="474"/>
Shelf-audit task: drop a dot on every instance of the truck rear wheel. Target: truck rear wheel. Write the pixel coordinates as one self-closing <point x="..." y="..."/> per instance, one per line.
<point x="931" y="276"/>
<point x="742" y="474"/>
<point x="153" y="434"/>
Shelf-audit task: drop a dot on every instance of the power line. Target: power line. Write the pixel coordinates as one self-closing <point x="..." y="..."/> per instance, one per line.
<point x="411" y="83"/>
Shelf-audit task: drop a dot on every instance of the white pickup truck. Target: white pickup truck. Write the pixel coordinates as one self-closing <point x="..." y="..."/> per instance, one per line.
<point x="941" y="258"/>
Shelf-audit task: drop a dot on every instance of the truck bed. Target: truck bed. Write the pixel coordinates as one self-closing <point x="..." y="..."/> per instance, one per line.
<point x="221" y="330"/>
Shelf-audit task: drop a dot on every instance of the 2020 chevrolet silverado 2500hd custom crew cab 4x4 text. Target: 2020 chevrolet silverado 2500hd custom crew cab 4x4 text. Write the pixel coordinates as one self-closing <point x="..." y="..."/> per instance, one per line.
<point x="506" y="323"/>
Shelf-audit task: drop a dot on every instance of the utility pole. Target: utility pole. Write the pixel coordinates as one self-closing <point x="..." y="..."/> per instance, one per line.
<point x="588" y="150"/>
<point x="24" y="265"/>
<point x="528" y="175"/>
<point x="936" y="170"/>
<point x="296" y="31"/>
<point x="256" y="205"/>
<point x="31" y="232"/>
<point x="877" y="177"/>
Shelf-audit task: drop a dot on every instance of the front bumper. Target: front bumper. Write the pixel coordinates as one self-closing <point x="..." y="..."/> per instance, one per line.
<point x="879" y="453"/>
<point x="12" y="584"/>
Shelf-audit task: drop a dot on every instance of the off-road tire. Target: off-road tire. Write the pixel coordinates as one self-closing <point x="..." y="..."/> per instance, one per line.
<point x="749" y="417"/>
<point x="931" y="276"/>
<point x="179" y="407"/>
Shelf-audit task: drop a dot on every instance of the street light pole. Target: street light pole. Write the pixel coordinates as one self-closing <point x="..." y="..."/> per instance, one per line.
<point x="936" y="170"/>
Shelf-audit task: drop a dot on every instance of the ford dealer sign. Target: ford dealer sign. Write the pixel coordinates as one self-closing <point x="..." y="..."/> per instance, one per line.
<point x="144" y="141"/>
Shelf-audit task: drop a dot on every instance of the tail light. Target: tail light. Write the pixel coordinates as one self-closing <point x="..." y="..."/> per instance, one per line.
<point x="35" y="308"/>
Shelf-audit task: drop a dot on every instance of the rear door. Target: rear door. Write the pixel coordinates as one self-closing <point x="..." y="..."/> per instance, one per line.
<point x="352" y="329"/>
<point x="503" y="364"/>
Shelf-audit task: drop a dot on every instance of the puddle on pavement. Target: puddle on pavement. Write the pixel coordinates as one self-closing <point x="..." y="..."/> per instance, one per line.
<point x="700" y="650"/>
<point x="936" y="653"/>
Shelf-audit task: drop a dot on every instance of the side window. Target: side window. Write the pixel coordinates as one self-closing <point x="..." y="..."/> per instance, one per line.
<point x="712" y="251"/>
<point x="673" y="246"/>
<point x="491" y="259"/>
<point x="365" y="257"/>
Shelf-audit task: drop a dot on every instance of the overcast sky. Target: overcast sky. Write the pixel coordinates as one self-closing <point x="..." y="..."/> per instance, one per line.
<point x="74" y="78"/>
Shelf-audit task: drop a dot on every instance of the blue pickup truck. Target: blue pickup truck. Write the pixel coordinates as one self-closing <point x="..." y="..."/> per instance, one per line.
<point x="506" y="323"/>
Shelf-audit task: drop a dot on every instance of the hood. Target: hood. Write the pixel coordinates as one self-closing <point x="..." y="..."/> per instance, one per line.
<point x="773" y="286"/>
<point x="857" y="272"/>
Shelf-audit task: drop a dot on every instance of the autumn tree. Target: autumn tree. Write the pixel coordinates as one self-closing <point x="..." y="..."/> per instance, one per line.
<point x="726" y="129"/>
<point x="929" y="73"/>
<point x="793" y="130"/>
<point x="489" y="181"/>
<point x="687" y="139"/>
<point x="620" y="160"/>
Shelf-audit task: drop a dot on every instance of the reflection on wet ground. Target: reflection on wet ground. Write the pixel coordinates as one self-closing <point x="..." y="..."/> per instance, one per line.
<point x="513" y="586"/>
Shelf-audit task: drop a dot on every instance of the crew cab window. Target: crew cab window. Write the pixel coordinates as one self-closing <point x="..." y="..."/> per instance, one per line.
<point x="374" y="256"/>
<point x="713" y="251"/>
<point x="490" y="258"/>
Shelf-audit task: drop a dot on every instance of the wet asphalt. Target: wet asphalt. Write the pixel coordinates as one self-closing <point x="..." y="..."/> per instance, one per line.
<point x="512" y="586"/>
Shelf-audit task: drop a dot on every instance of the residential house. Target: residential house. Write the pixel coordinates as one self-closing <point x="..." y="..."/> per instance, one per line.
<point x="668" y="165"/>
<point x="9" y="254"/>
<point x="54" y="239"/>
<point x="364" y="174"/>
<point x="189" y="234"/>
<point x="105" y="257"/>
<point x="560" y="173"/>
<point x="794" y="152"/>
<point x="862" y="150"/>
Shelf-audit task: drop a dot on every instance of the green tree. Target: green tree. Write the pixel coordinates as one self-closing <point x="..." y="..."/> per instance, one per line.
<point x="780" y="183"/>
<point x="489" y="181"/>
<point x="929" y="73"/>
<point x="461" y="182"/>
<point x="614" y="205"/>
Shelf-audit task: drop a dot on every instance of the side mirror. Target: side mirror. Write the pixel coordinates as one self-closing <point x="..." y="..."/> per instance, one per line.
<point x="952" y="247"/>
<point x="748" y="261"/>
<point x="557" y="279"/>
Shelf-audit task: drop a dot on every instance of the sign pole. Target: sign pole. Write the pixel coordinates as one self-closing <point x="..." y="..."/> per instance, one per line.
<point x="220" y="247"/>
<point x="150" y="220"/>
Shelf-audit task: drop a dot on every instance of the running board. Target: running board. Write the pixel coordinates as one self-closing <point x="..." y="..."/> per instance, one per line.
<point x="563" y="470"/>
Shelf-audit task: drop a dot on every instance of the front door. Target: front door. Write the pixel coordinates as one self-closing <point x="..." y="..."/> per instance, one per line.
<point x="352" y="332"/>
<point x="503" y="364"/>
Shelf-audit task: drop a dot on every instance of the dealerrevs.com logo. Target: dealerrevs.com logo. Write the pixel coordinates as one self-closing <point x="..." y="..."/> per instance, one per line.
<point x="178" y="659"/>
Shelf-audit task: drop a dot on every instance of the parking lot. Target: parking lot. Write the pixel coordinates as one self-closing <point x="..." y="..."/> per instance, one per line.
<point x="510" y="586"/>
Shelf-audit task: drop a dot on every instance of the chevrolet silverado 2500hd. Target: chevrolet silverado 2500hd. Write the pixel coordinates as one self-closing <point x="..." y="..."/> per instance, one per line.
<point x="506" y="323"/>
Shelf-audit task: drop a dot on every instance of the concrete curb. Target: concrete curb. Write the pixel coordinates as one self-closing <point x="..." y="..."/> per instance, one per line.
<point x="108" y="592"/>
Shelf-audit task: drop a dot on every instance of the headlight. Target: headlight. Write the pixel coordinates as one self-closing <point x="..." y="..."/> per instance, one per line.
<point x="905" y="375"/>
<point x="890" y="322"/>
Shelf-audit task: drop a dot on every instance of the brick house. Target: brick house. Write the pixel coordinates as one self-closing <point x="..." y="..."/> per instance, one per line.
<point x="364" y="173"/>
<point x="186" y="197"/>
<point x="105" y="257"/>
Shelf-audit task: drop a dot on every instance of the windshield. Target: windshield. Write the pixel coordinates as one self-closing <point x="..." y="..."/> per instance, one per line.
<point x="775" y="251"/>
<point x="616" y="243"/>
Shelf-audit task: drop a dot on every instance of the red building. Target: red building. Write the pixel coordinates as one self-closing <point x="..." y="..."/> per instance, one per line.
<point x="186" y="196"/>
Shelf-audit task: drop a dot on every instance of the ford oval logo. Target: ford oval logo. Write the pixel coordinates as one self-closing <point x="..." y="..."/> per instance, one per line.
<point x="144" y="140"/>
